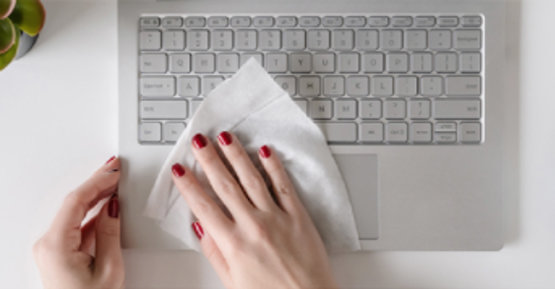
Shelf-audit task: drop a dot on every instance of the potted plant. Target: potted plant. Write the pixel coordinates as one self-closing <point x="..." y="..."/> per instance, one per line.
<point x="20" y="24"/>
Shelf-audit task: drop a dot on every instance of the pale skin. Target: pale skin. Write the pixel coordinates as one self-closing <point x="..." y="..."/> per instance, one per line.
<point x="267" y="241"/>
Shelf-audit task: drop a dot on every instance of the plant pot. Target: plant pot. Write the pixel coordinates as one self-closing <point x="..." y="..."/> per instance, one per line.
<point x="26" y="42"/>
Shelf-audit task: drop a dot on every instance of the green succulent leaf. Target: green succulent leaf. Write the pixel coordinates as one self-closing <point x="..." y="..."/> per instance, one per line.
<point x="9" y="55"/>
<point x="28" y="15"/>
<point x="6" y="7"/>
<point x="7" y="34"/>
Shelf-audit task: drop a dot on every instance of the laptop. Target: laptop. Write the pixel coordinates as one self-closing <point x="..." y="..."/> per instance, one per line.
<point x="409" y="95"/>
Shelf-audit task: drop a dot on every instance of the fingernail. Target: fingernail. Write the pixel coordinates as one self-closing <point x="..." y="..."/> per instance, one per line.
<point x="110" y="159"/>
<point x="265" y="151"/>
<point x="113" y="207"/>
<point x="199" y="141"/>
<point x="225" y="138"/>
<point x="198" y="230"/>
<point x="178" y="170"/>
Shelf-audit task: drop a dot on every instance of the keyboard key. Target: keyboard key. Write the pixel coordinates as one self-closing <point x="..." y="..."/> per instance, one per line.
<point x="318" y="39"/>
<point x="321" y="109"/>
<point x="332" y="21"/>
<point x="397" y="62"/>
<point x="172" y="131"/>
<point x="419" y="109"/>
<point x="456" y="109"/>
<point x="373" y="62"/>
<point x="445" y="137"/>
<point x="189" y="86"/>
<point x="416" y="39"/>
<point x="367" y="39"/>
<point x="471" y="21"/>
<point x="396" y="132"/>
<point x="343" y="39"/>
<point x="431" y="85"/>
<point x="302" y="104"/>
<point x="445" y="127"/>
<point x="440" y="39"/>
<point x="149" y="22"/>
<point x="150" y="40"/>
<point x="217" y="21"/>
<point x="174" y="39"/>
<point x="195" y="21"/>
<point x="471" y="62"/>
<point x="227" y="62"/>
<point x="371" y="132"/>
<point x="287" y="83"/>
<point x="222" y="39"/>
<point x="357" y="86"/>
<point x="334" y="85"/>
<point x="421" y="132"/>
<point x="257" y="56"/>
<point x="424" y="21"/>
<point x="355" y="21"/>
<point x="263" y="21"/>
<point x="309" y="86"/>
<point x="346" y="109"/>
<point x="286" y="21"/>
<point x="150" y="132"/>
<point x="246" y="39"/>
<point x="276" y="62"/>
<point x="204" y="63"/>
<point x="370" y="109"/>
<point x="382" y="86"/>
<point x="447" y="21"/>
<point x="160" y="86"/>
<point x="195" y="103"/>
<point x="324" y="62"/>
<point x="180" y="63"/>
<point x="172" y="22"/>
<point x="378" y="21"/>
<point x="401" y="21"/>
<point x="339" y="132"/>
<point x="392" y="39"/>
<point x="471" y="132"/>
<point x="197" y="40"/>
<point x="421" y="62"/>
<point x="300" y="62"/>
<point x="468" y="39"/>
<point x="209" y="83"/>
<point x="463" y="86"/>
<point x="174" y="109"/>
<point x="269" y="39"/>
<point x="406" y="85"/>
<point x="240" y="21"/>
<point x="294" y="40"/>
<point x="349" y="62"/>
<point x="309" y="21"/>
<point x="153" y="63"/>
<point x="446" y="62"/>
<point x="395" y="109"/>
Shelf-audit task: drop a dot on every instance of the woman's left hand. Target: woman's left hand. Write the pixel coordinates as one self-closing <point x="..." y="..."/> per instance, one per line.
<point x="73" y="256"/>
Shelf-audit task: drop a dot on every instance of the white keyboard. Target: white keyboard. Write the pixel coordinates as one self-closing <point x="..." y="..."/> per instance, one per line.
<point x="364" y="79"/>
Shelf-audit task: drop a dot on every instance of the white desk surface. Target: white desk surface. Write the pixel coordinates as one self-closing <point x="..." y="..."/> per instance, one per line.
<point x="58" y="123"/>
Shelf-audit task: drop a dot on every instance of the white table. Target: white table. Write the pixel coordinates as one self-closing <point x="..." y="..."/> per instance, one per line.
<point x="58" y="123"/>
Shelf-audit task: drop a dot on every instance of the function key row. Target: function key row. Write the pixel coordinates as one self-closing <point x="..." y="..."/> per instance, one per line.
<point x="312" y="21"/>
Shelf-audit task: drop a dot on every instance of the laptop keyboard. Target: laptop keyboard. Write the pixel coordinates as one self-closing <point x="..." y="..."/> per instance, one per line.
<point x="380" y="79"/>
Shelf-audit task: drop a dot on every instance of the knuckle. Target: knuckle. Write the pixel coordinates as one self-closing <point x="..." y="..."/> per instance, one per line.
<point x="109" y="231"/>
<point x="254" y="182"/>
<point x="259" y="232"/>
<point x="228" y="186"/>
<point x="284" y="189"/>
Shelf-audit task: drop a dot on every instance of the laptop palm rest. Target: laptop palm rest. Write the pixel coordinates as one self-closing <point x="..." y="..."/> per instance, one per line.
<point x="360" y="173"/>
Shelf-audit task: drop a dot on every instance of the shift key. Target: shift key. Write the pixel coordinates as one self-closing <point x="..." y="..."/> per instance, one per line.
<point x="162" y="86"/>
<point x="457" y="109"/>
<point x="463" y="86"/>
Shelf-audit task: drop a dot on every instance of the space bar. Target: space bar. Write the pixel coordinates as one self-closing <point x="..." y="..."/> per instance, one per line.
<point x="344" y="132"/>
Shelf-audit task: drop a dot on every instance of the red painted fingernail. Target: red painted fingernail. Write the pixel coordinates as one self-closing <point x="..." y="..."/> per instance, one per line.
<point x="113" y="207"/>
<point x="265" y="151"/>
<point x="198" y="230"/>
<point x="199" y="141"/>
<point x="178" y="170"/>
<point x="225" y="138"/>
<point x="110" y="159"/>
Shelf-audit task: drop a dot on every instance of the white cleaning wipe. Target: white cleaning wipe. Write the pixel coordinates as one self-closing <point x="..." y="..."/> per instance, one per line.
<point x="255" y="108"/>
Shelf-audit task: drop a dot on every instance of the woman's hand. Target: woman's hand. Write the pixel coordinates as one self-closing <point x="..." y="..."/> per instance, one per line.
<point x="73" y="256"/>
<point x="269" y="241"/>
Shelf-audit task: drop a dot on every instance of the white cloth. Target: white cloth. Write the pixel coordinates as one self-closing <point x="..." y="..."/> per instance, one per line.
<point x="255" y="108"/>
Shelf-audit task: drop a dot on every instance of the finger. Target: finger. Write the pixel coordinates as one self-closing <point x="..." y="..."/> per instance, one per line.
<point x="223" y="183"/>
<point x="212" y="252"/>
<point x="249" y="177"/>
<point x="202" y="205"/>
<point x="108" y="258"/>
<point x="88" y="236"/>
<point x="284" y="191"/>
<point x="101" y="184"/>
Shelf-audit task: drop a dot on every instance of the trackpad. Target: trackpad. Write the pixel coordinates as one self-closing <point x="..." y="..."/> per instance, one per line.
<point x="360" y="173"/>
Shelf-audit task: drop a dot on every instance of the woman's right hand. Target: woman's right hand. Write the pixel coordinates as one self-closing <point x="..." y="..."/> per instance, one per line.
<point x="269" y="241"/>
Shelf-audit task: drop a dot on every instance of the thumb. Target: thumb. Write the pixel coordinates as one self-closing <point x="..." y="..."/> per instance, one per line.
<point x="109" y="260"/>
